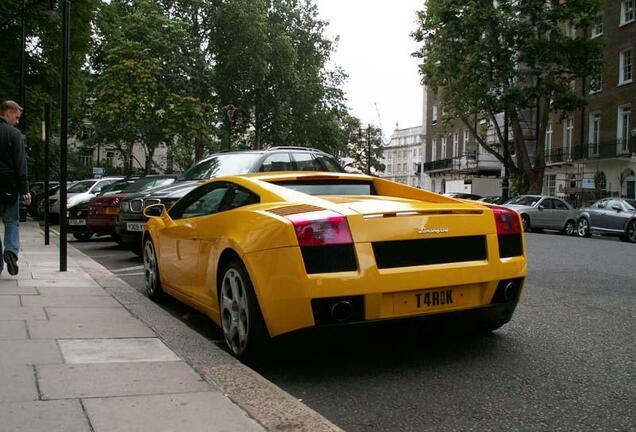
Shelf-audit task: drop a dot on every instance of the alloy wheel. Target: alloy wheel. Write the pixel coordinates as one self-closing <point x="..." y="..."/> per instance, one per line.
<point x="150" y="269"/>
<point x="583" y="227"/>
<point x="235" y="313"/>
<point x="631" y="231"/>
<point x="570" y="228"/>
<point x="525" y="221"/>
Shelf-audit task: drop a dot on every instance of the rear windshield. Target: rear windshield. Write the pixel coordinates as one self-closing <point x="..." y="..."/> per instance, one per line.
<point x="221" y="165"/>
<point x="524" y="200"/>
<point x="330" y="187"/>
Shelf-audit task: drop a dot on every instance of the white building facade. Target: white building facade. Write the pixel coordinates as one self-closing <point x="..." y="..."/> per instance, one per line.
<point x="402" y="156"/>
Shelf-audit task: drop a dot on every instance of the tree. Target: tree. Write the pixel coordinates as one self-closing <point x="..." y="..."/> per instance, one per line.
<point x="485" y="58"/>
<point x="270" y="63"/>
<point x="143" y="86"/>
<point x="357" y="141"/>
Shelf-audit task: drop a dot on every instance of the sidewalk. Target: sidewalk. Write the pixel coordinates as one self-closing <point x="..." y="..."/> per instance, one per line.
<point x="77" y="353"/>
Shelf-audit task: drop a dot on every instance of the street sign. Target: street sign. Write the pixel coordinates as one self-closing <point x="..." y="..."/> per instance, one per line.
<point x="98" y="172"/>
<point x="587" y="184"/>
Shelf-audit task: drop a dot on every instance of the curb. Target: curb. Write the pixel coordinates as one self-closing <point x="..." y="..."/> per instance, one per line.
<point x="262" y="400"/>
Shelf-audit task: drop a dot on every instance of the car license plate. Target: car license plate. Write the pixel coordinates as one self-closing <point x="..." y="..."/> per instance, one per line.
<point x="434" y="299"/>
<point x="135" y="226"/>
<point x="76" y="222"/>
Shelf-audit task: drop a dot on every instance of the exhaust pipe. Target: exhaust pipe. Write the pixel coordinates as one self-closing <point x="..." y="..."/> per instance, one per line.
<point x="510" y="291"/>
<point x="341" y="311"/>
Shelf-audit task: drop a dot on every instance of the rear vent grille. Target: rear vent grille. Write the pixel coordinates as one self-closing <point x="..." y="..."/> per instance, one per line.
<point x="329" y="258"/>
<point x="295" y="209"/>
<point x="510" y="245"/>
<point x="407" y="253"/>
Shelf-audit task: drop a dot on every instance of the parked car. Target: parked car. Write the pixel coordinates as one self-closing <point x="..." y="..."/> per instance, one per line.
<point x="609" y="216"/>
<point x="266" y="254"/>
<point x="104" y="208"/>
<point x="544" y="212"/>
<point x="462" y="195"/>
<point x="37" y="193"/>
<point x="495" y="199"/>
<point x="131" y="220"/>
<point x="41" y="200"/>
<point x="78" y="192"/>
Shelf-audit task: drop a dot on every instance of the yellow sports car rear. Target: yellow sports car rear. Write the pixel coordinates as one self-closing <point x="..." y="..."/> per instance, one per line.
<point x="267" y="254"/>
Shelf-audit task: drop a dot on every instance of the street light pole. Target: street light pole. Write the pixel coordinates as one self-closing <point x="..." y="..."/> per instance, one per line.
<point x="23" y="66"/>
<point x="66" y="31"/>
<point x="47" y="140"/>
<point x="368" y="149"/>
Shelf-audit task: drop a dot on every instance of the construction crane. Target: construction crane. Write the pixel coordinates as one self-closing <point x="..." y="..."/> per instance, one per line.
<point x="377" y="112"/>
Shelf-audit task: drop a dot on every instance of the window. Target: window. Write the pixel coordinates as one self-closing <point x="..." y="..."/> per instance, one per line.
<point x="597" y="26"/>
<point x="465" y="143"/>
<point x="625" y="67"/>
<point x="559" y="205"/>
<point x="85" y="159"/>
<point x="443" y="147"/>
<point x="277" y="162"/>
<point x="201" y="201"/>
<point x="434" y="118"/>
<point x="548" y="142"/>
<point x="306" y="162"/>
<point x="455" y="145"/>
<point x="550" y="186"/>
<point x="434" y="149"/>
<point x="328" y="162"/>
<point x="595" y="130"/>
<point x="596" y="84"/>
<point x="568" y="136"/>
<point x="627" y="11"/>
<point x="624" y="128"/>
<point x="601" y="181"/>
<point x="110" y="156"/>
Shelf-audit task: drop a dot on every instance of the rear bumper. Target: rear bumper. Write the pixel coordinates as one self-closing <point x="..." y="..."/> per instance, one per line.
<point x="102" y="224"/>
<point x="285" y="291"/>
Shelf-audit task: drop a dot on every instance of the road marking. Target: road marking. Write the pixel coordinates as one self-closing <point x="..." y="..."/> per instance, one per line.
<point x="125" y="269"/>
<point x="130" y="274"/>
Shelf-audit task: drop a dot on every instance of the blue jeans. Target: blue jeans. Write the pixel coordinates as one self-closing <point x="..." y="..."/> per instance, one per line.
<point x="11" y="218"/>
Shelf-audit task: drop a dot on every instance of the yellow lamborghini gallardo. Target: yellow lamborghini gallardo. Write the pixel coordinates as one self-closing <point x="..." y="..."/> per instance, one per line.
<point x="267" y="254"/>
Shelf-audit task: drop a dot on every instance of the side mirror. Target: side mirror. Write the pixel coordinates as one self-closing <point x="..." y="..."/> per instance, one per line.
<point x="541" y="207"/>
<point x="155" y="210"/>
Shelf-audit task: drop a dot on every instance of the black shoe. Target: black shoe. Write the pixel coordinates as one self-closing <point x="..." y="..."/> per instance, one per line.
<point x="12" y="262"/>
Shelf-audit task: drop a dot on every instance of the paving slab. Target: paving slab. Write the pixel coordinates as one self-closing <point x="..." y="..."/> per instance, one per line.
<point x="79" y="282"/>
<point x="58" y="275"/>
<point x="22" y="313"/>
<point x="60" y="329"/>
<point x="72" y="291"/>
<point x="6" y="283"/>
<point x="76" y="351"/>
<point x="117" y="379"/>
<point x="9" y="300"/>
<point x="29" y="352"/>
<point x="17" y="384"/>
<point x="16" y="290"/>
<point x="193" y="412"/>
<point x="88" y="313"/>
<point x="41" y="416"/>
<point x="13" y="330"/>
<point x="70" y="301"/>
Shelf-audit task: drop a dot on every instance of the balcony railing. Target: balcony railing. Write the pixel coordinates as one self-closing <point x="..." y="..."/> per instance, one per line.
<point x="441" y="164"/>
<point x="599" y="150"/>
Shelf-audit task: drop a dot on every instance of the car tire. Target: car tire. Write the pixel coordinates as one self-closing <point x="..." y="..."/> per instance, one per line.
<point x="241" y="319"/>
<point x="570" y="228"/>
<point x="583" y="228"/>
<point x="83" y="236"/>
<point x="525" y="222"/>
<point x="152" y="281"/>
<point x="630" y="234"/>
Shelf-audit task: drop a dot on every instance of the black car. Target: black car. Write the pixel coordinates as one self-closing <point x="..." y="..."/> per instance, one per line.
<point x="76" y="222"/>
<point x="463" y="195"/>
<point x="131" y="221"/>
<point x="609" y="216"/>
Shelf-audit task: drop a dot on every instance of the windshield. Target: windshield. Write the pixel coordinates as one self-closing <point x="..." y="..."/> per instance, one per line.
<point x="631" y="204"/>
<point x="222" y="164"/>
<point x="81" y="186"/>
<point x="148" y="183"/>
<point x="524" y="200"/>
<point x="117" y="186"/>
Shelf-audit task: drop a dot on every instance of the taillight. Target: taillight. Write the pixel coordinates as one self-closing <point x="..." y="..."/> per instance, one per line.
<point x="321" y="228"/>
<point x="507" y="221"/>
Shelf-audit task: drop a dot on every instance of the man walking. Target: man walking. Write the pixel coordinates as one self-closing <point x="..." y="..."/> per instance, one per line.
<point x="13" y="182"/>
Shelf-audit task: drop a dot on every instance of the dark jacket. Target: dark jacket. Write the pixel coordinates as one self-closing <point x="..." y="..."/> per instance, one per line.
<point x="13" y="163"/>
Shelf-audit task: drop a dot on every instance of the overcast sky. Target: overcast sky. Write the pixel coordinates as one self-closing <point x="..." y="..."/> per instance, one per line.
<point x="375" y="50"/>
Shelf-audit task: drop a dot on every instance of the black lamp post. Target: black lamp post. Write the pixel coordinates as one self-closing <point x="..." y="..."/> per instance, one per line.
<point x="229" y="110"/>
<point x="66" y="32"/>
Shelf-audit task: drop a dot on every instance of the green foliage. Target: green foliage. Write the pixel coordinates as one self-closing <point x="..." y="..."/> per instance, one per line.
<point x="270" y="58"/>
<point x="486" y="57"/>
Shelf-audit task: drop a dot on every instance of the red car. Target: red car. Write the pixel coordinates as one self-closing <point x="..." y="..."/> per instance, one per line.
<point x="103" y="209"/>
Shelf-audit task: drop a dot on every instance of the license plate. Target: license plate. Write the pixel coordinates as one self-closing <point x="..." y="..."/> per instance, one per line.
<point x="135" y="226"/>
<point x="76" y="222"/>
<point x="436" y="299"/>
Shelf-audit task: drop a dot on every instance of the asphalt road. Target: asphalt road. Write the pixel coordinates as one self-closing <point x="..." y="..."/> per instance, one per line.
<point x="564" y="363"/>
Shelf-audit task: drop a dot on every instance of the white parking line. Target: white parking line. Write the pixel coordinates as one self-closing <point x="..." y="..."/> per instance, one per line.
<point x="125" y="269"/>
<point x="130" y="274"/>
